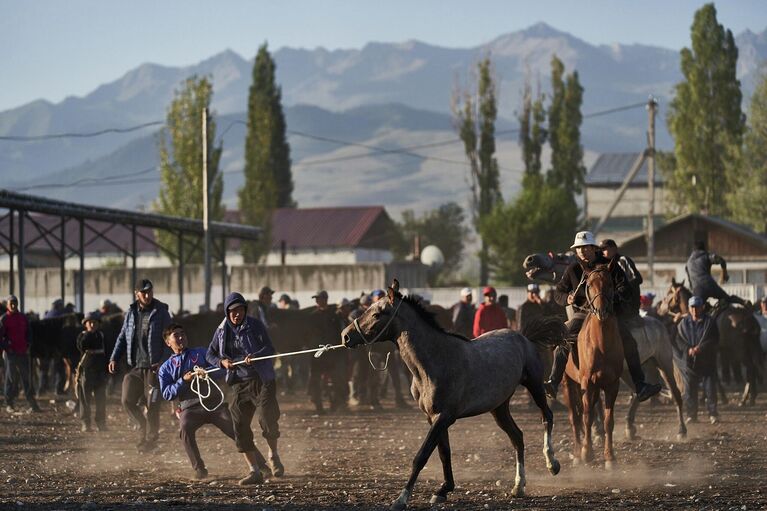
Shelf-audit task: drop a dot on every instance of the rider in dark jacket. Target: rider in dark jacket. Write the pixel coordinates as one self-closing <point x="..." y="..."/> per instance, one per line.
<point x="698" y="270"/>
<point x="572" y="291"/>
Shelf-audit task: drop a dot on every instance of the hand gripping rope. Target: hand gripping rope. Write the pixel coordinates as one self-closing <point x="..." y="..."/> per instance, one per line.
<point x="201" y="374"/>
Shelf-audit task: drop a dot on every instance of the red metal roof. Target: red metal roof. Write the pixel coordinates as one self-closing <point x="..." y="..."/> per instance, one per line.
<point x="323" y="227"/>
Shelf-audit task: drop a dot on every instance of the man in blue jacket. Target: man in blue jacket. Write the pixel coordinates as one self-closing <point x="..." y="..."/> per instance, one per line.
<point x="141" y="340"/>
<point x="242" y="337"/>
<point x="176" y="375"/>
<point x="695" y="351"/>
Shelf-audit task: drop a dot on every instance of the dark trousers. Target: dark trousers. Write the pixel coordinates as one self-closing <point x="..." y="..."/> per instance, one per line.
<point x="141" y="389"/>
<point x="366" y="382"/>
<point x="692" y="381"/>
<point x="92" y="391"/>
<point x="192" y="419"/>
<point x="630" y="351"/>
<point x="48" y="364"/>
<point x="17" y="371"/>
<point x="249" y="398"/>
<point x="334" y="365"/>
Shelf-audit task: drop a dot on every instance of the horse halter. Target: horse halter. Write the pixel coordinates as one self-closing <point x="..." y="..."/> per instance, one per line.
<point x="365" y="341"/>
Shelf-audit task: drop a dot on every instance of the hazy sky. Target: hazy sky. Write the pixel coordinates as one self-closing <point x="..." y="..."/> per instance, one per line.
<point x="55" y="48"/>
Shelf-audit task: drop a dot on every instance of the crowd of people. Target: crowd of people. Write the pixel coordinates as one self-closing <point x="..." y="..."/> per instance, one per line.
<point x="161" y="367"/>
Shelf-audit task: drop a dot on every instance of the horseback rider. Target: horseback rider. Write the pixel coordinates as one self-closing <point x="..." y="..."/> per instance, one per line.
<point x="571" y="291"/>
<point x="633" y="278"/>
<point x="702" y="284"/>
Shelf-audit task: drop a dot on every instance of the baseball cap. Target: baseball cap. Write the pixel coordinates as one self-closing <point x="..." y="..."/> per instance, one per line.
<point x="144" y="285"/>
<point x="695" y="301"/>
<point x="607" y="243"/>
<point x="466" y="291"/>
<point x="488" y="290"/>
<point x="266" y="290"/>
<point x="284" y="297"/>
<point x="12" y="298"/>
<point x="378" y="292"/>
<point x="533" y="288"/>
<point x="321" y="294"/>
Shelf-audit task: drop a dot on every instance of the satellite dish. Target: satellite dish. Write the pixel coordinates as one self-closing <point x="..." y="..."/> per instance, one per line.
<point x="432" y="256"/>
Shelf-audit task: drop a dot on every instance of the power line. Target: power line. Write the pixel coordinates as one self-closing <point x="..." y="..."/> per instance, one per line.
<point x="80" y="135"/>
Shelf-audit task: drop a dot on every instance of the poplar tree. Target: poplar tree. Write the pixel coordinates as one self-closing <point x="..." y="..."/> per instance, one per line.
<point x="475" y="122"/>
<point x="268" y="179"/>
<point x="180" y="146"/>
<point x="532" y="132"/>
<point x="705" y="118"/>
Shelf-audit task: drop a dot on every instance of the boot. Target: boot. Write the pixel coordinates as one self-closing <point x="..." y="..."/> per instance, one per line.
<point x="557" y="372"/>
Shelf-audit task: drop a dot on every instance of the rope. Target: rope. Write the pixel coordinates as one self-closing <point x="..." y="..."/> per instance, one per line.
<point x="201" y="374"/>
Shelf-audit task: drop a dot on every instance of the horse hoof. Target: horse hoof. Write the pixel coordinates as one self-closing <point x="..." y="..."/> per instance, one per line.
<point x="518" y="491"/>
<point x="437" y="499"/>
<point x="554" y="467"/>
<point x="609" y="465"/>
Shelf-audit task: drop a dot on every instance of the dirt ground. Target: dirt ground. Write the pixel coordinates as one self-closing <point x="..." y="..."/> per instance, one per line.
<point x="361" y="459"/>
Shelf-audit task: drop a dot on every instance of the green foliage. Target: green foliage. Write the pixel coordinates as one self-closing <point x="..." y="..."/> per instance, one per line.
<point x="747" y="198"/>
<point x="268" y="179"/>
<point x="567" y="169"/>
<point x="444" y="227"/>
<point x="180" y="145"/>
<point x="705" y="118"/>
<point x="532" y="134"/>
<point x="541" y="218"/>
<point x="475" y="123"/>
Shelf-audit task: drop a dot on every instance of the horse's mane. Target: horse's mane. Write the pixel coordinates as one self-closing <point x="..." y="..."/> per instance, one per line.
<point x="428" y="317"/>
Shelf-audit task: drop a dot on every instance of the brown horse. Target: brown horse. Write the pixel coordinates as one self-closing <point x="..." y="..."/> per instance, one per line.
<point x="600" y="355"/>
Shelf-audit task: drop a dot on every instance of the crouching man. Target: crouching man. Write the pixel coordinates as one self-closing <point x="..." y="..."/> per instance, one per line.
<point x="242" y="337"/>
<point x="176" y="376"/>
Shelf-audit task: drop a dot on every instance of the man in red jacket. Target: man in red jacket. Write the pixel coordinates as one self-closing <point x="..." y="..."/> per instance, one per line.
<point x="15" y="336"/>
<point x="490" y="315"/>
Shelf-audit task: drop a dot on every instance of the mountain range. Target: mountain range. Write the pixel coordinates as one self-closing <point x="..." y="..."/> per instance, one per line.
<point x="391" y="96"/>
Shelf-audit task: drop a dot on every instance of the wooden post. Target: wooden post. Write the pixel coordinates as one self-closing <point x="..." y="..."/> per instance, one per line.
<point x="652" y="106"/>
<point x="205" y="213"/>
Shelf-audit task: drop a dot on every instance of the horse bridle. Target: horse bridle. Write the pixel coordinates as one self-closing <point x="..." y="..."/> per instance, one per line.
<point x="590" y="301"/>
<point x="380" y="333"/>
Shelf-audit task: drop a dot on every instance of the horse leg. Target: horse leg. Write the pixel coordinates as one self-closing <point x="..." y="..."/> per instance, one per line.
<point x="506" y="423"/>
<point x="572" y="397"/>
<point x="666" y="369"/>
<point x="598" y="431"/>
<point x="588" y="398"/>
<point x="631" y="430"/>
<point x="443" y="447"/>
<point x="438" y="428"/>
<point x="611" y="393"/>
<point x="539" y="397"/>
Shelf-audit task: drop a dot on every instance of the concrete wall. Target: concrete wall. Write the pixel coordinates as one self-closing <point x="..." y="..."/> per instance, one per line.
<point x="301" y="282"/>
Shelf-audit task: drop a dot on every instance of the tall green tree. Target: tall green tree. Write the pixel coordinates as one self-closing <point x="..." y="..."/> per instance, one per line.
<point x="268" y="178"/>
<point x="474" y="115"/>
<point x="565" y="118"/>
<point x="532" y="133"/>
<point x="705" y="118"/>
<point x="747" y="198"/>
<point x="180" y="146"/>
<point x="444" y="227"/>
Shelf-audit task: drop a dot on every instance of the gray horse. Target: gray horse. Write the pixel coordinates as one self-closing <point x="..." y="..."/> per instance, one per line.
<point x="454" y="377"/>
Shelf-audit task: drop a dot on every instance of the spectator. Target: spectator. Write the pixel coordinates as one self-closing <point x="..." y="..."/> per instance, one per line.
<point x="141" y="340"/>
<point x="57" y="309"/>
<point x="15" y="338"/>
<point x="696" y="351"/>
<point x="263" y="304"/>
<point x="463" y="314"/>
<point x="327" y="327"/>
<point x="489" y="315"/>
<point x="533" y="306"/>
<point x="283" y="302"/>
<point x="511" y="313"/>
<point x="91" y="374"/>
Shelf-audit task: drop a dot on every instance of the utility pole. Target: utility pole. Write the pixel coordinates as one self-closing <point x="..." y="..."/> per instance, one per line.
<point x="205" y="216"/>
<point x="652" y="107"/>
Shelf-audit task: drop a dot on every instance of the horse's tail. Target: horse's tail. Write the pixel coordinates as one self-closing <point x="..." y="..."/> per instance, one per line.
<point x="547" y="332"/>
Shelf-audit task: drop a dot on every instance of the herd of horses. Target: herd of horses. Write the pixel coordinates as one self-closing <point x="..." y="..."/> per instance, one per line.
<point x="453" y="377"/>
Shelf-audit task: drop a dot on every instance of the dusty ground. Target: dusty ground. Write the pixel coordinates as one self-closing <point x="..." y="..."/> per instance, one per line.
<point x="361" y="460"/>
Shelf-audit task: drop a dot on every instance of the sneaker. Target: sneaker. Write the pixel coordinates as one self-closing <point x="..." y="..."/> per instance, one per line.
<point x="550" y="388"/>
<point x="200" y="474"/>
<point x="713" y="419"/>
<point x="648" y="390"/>
<point x="275" y="466"/>
<point x="10" y="409"/>
<point x="252" y="478"/>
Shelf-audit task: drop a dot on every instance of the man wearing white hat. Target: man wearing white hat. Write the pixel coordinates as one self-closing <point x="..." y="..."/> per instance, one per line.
<point x="570" y="291"/>
<point x="463" y="314"/>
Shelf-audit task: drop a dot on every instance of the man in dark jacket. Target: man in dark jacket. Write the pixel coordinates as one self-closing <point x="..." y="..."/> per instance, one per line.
<point x="633" y="278"/>
<point x="91" y="374"/>
<point x="326" y="328"/>
<point x="15" y="338"/>
<point x="571" y="290"/>
<point x="695" y="351"/>
<point x="702" y="284"/>
<point x="254" y="390"/>
<point x="463" y="314"/>
<point x="140" y="338"/>
<point x="176" y="376"/>
<point x="532" y="308"/>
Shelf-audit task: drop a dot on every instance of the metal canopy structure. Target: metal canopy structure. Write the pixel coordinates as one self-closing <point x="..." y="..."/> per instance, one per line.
<point x="188" y="232"/>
